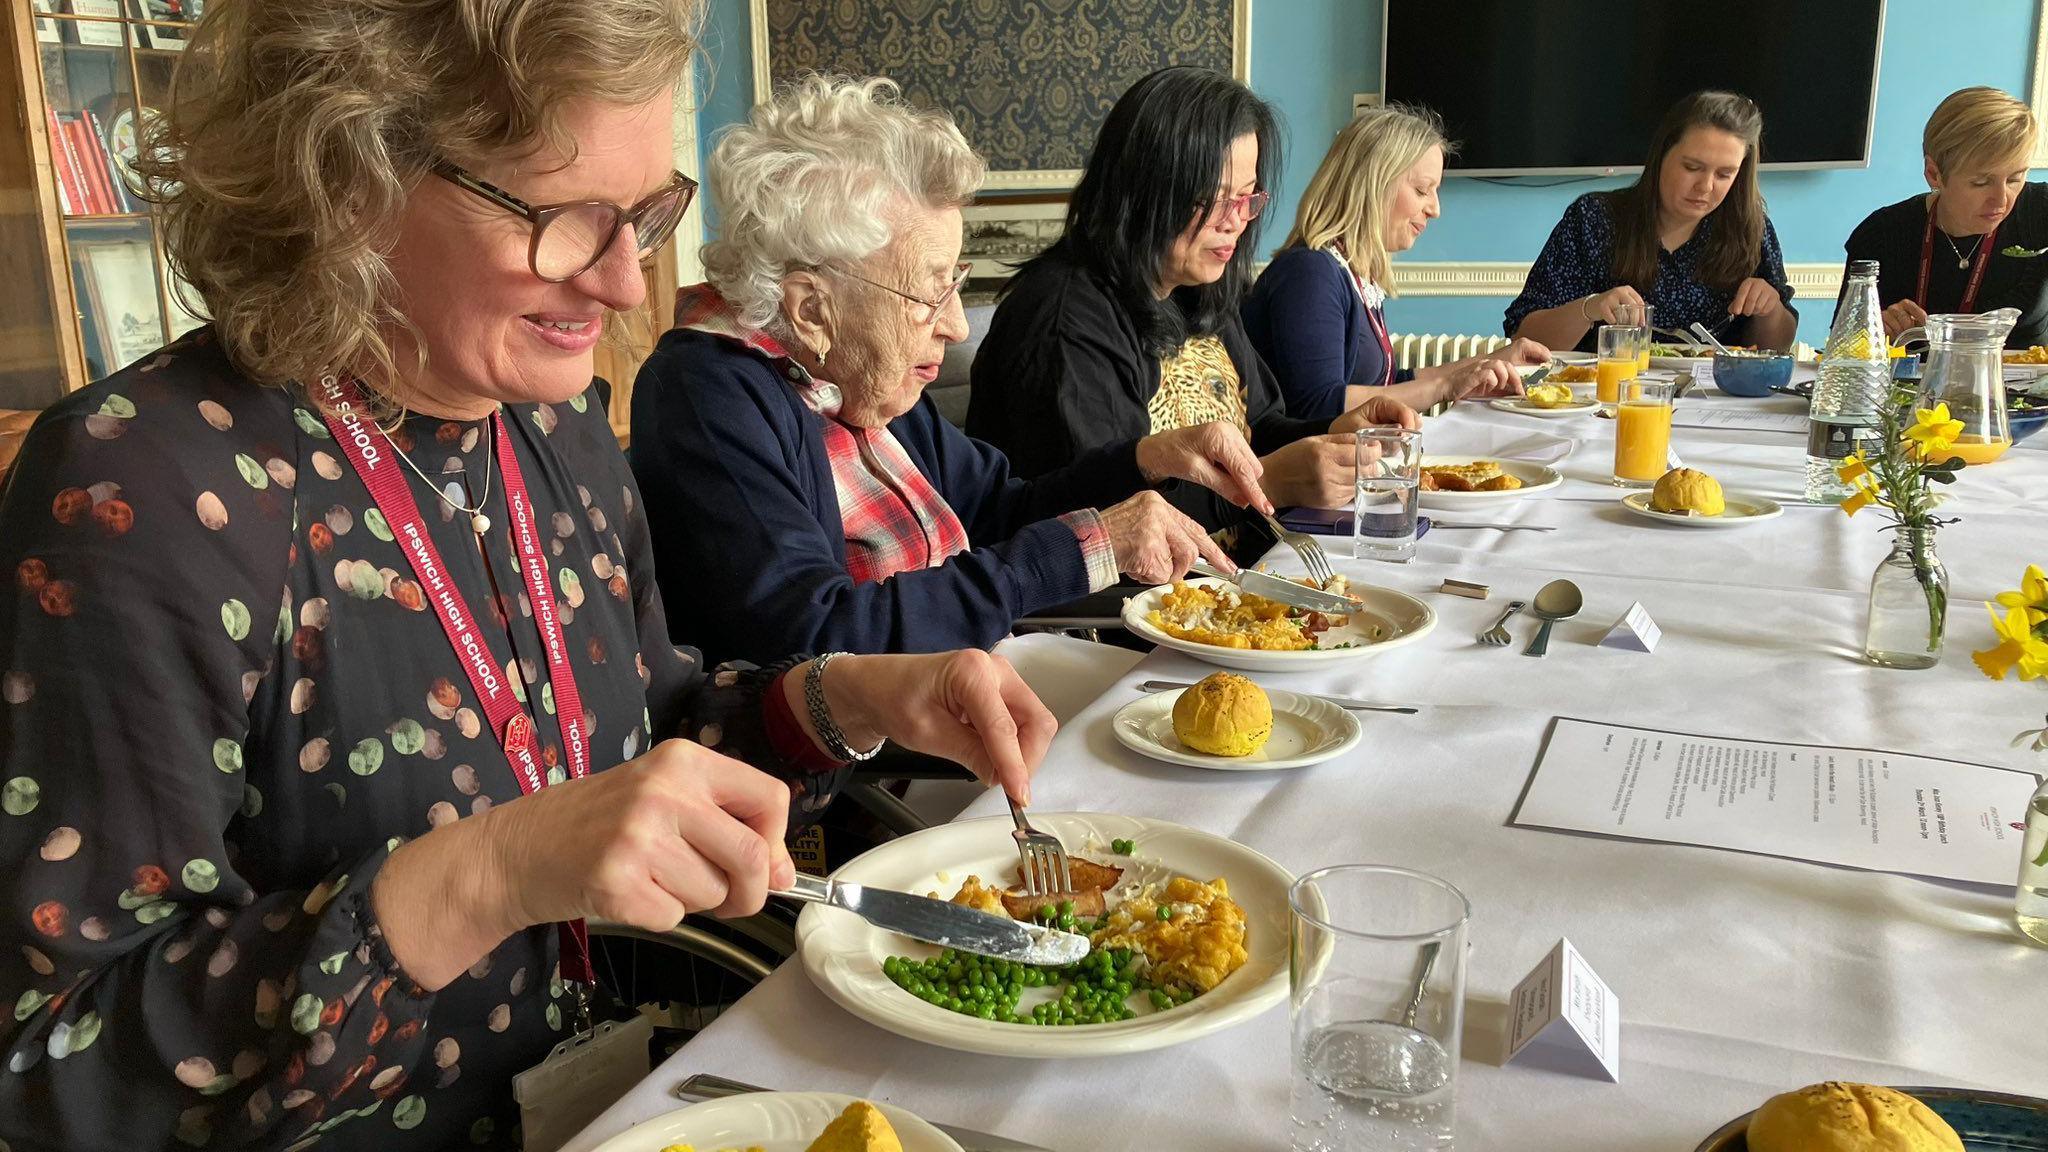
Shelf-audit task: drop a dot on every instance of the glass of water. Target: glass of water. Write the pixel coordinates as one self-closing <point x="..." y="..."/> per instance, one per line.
<point x="1389" y="475"/>
<point x="1376" y="964"/>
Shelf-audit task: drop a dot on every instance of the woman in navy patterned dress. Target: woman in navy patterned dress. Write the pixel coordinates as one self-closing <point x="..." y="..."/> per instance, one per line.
<point x="1689" y="238"/>
<point x="316" y="730"/>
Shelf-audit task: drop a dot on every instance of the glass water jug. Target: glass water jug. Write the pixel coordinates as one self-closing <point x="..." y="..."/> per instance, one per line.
<point x="1966" y="370"/>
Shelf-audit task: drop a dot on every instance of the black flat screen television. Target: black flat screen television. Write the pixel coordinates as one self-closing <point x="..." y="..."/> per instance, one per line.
<point x="1577" y="86"/>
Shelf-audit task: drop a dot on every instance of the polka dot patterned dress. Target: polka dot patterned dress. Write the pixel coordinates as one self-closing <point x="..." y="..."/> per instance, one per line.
<point x="1578" y="261"/>
<point x="223" y="701"/>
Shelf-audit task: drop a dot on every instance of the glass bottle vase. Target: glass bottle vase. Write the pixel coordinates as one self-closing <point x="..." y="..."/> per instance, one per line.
<point x="1908" y="604"/>
<point x="2030" y="905"/>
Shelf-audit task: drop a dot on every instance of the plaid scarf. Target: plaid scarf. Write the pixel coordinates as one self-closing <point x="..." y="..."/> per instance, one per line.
<point x="894" y="520"/>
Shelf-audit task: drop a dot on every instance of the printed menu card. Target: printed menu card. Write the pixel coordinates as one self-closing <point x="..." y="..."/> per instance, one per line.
<point x="1884" y="811"/>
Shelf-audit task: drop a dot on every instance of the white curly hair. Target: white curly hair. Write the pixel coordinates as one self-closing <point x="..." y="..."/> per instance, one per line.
<point x="805" y="183"/>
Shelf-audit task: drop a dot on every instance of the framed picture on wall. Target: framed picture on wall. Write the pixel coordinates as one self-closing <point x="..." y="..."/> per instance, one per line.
<point x="1028" y="81"/>
<point x="1001" y="234"/>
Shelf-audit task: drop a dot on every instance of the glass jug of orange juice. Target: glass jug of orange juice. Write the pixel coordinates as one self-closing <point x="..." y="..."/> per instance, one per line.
<point x="1966" y="370"/>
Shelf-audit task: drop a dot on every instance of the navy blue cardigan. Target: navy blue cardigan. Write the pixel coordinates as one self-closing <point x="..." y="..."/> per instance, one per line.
<point x="1308" y="324"/>
<point x="748" y="545"/>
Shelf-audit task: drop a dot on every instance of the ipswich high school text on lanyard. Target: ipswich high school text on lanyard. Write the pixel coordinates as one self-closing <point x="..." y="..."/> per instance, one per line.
<point x="373" y="455"/>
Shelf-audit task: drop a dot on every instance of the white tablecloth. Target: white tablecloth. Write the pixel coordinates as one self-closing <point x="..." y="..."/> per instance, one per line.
<point x="1739" y="975"/>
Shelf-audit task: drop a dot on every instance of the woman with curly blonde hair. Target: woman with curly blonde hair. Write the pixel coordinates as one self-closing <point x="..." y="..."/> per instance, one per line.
<point x="337" y="688"/>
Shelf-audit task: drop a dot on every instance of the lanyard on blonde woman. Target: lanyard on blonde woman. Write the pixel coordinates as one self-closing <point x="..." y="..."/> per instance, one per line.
<point x="371" y="452"/>
<point x="1969" y="301"/>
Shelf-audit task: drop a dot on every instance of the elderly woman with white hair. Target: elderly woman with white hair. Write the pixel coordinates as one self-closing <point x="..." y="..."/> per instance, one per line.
<point x="800" y="488"/>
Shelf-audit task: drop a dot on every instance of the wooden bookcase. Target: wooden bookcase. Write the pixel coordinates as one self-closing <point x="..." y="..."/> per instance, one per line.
<point x="84" y="288"/>
<point x="85" y="291"/>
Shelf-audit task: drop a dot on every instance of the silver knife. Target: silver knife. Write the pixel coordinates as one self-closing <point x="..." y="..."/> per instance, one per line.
<point x="1340" y="701"/>
<point x="1285" y="591"/>
<point x="704" y="1086"/>
<point x="943" y="922"/>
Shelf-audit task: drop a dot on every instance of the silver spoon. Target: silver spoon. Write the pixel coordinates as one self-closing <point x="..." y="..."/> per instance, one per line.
<point x="1557" y="600"/>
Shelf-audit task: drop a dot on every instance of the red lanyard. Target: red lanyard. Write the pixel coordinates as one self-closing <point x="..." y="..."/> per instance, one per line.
<point x="1982" y="260"/>
<point x="1374" y="317"/>
<point x="374" y="458"/>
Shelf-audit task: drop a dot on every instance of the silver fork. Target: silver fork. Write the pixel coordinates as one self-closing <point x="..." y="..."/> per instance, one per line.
<point x="1498" y="634"/>
<point x="1045" y="858"/>
<point x="1305" y="546"/>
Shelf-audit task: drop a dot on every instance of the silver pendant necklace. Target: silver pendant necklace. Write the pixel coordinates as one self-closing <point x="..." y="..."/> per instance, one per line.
<point x="478" y="522"/>
<point x="1963" y="261"/>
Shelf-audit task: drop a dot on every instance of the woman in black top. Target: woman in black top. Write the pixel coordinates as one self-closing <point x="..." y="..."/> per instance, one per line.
<point x="324" y="705"/>
<point x="1129" y="325"/>
<point x="1979" y="240"/>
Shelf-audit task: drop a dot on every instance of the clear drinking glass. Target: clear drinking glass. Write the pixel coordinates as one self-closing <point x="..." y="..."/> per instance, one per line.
<point x="1376" y="966"/>
<point x="1389" y="476"/>
<point x="1642" y="431"/>
<point x="1621" y="352"/>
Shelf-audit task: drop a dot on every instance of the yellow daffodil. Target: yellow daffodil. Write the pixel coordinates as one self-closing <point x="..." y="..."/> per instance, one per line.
<point x="1864" y="496"/>
<point x="2018" y="648"/>
<point x="1853" y="469"/>
<point x="2032" y="596"/>
<point x="1934" y="431"/>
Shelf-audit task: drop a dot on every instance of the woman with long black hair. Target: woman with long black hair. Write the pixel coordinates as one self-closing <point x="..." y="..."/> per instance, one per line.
<point x="1689" y="238"/>
<point x="1129" y="325"/>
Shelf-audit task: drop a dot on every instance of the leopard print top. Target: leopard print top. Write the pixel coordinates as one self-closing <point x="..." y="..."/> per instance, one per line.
<point x="1198" y="384"/>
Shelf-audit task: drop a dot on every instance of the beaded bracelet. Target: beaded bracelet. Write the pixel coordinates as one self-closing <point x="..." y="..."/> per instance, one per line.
<point x="821" y="715"/>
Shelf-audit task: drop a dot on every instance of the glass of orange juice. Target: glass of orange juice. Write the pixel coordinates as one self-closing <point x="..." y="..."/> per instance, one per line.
<point x="1642" y="432"/>
<point x="1621" y="347"/>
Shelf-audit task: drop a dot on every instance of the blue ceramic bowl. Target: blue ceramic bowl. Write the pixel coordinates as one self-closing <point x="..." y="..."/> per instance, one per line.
<point x="2025" y="424"/>
<point x="1753" y="374"/>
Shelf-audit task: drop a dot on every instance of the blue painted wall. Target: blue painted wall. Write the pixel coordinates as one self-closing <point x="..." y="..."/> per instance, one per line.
<point x="1309" y="56"/>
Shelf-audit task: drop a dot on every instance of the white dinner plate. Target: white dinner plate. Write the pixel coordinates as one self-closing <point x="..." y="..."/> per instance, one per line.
<point x="1385" y="619"/>
<point x="1742" y="509"/>
<point x="1521" y="406"/>
<point x="773" y="1121"/>
<point x="1306" y="730"/>
<point x="1571" y="356"/>
<point x="1682" y="363"/>
<point x="1534" y="477"/>
<point x="843" y="953"/>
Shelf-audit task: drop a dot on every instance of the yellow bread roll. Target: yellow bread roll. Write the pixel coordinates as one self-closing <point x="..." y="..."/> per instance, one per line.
<point x="861" y="1128"/>
<point x="1685" y="489"/>
<point x="1838" y="1117"/>
<point x="1224" y="715"/>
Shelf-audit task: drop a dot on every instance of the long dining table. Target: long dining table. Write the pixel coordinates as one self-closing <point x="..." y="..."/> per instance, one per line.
<point x="1739" y="975"/>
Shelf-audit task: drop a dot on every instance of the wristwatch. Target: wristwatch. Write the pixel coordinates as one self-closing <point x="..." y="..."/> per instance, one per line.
<point x="821" y="714"/>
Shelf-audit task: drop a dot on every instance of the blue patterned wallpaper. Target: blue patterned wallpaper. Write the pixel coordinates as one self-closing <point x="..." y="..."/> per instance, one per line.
<point x="1029" y="81"/>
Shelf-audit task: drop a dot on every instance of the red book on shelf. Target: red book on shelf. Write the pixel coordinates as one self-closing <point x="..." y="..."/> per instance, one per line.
<point x="70" y="180"/>
<point x="103" y="145"/>
<point x="93" y="160"/>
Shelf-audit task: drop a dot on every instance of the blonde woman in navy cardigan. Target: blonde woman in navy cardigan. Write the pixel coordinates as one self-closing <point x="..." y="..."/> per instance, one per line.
<point x="1317" y="315"/>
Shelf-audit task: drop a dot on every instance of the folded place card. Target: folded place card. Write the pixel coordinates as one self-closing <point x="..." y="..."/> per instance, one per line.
<point x="1566" y="1018"/>
<point x="1635" y="631"/>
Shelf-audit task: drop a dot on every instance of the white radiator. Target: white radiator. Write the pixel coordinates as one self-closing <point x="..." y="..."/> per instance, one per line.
<point x="1415" y="351"/>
